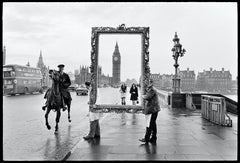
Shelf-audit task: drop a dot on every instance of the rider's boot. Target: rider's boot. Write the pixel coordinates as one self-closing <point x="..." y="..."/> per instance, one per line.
<point x="44" y="108"/>
<point x="65" y="108"/>
<point x="69" y="119"/>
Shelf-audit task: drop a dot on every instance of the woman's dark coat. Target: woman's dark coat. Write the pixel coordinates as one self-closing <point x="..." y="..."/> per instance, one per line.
<point x="134" y="93"/>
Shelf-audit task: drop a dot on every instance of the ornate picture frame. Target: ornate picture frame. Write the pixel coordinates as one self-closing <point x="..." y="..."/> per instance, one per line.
<point x="145" y="69"/>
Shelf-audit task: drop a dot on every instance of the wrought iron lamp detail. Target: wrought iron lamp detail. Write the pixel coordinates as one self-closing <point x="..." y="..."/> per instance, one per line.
<point x="178" y="51"/>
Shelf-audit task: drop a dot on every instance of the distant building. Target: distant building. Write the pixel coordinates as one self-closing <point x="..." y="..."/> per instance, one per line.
<point x="129" y="82"/>
<point x="46" y="82"/>
<point x="214" y="81"/>
<point x="116" y="66"/>
<point x="84" y="75"/>
<point x="28" y="64"/>
<point x="76" y="72"/>
<point x="167" y="82"/>
<point x="72" y="77"/>
<point x="105" y="80"/>
<point x="4" y="55"/>
<point x="234" y="87"/>
<point x="201" y="82"/>
<point x="157" y="80"/>
<point x="187" y="82"/>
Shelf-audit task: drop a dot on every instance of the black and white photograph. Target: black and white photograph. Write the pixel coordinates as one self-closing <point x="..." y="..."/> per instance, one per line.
<point x="121" y="81"/>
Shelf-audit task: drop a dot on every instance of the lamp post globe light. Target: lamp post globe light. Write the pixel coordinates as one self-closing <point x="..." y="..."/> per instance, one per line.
<point x="178" y="51"/>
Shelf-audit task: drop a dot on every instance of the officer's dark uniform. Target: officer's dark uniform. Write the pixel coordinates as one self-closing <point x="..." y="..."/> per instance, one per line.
<point x="65" y="82"/>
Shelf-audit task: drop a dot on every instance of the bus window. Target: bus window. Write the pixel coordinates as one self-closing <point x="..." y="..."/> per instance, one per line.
<point x="7" y="74"/>
<point x="7" y="69"/>
<point x="12" y="73"/>
<point x="7" y="81"/>
<point x="25" y="82"/>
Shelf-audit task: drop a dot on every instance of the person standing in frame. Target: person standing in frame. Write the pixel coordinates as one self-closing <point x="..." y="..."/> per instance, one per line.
<point x="94" y="131"/>
<point x="134" y="93"/>
<point x="65" y="82"/>
<point x="123" y="90"/>
<point x="151" y="112"/>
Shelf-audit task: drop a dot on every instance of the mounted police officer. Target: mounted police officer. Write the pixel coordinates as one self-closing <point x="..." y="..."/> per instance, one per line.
<point x="65" y="82"/>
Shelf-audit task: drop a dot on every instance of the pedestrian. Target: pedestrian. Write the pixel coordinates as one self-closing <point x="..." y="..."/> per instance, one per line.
<point x="94" y="131"/>
<point x="151" y="112"/>
<point x="65" y="82"/>
<point x="134" y="93"/>
<point x="123" y="90"/>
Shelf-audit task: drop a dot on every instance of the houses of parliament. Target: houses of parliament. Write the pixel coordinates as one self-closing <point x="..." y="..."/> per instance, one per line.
<point x="83" y="74"/>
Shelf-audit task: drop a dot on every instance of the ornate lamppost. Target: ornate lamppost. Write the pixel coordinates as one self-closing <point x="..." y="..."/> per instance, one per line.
<point x="178" y="51"/>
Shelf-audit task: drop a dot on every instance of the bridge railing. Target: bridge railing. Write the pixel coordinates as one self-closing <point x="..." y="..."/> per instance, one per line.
<point x="195" y="99"/>
<point x="214" y="109"/>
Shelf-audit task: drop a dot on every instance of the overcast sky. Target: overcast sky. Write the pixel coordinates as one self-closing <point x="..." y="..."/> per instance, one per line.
<point x="208" y="32"/>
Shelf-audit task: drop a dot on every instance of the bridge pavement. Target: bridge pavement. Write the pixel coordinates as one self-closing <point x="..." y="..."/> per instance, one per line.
<point x="25" y="136"/>
<point x="182" y="135"/>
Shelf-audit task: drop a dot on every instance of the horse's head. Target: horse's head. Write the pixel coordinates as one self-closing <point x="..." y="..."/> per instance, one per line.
<point x="55" y="83"/>
<point x="55" y="75"/>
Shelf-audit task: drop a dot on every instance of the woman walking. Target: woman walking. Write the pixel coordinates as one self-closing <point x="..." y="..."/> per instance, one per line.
<point x="123" y="90"/>
<point x="134" y="93"/>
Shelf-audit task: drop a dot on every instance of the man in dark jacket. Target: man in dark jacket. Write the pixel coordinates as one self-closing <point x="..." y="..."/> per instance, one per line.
<point x="65" y="82"/>
<point x="151" y="112"/>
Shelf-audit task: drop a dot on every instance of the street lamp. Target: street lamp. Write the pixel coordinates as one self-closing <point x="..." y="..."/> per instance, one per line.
<point x="178" y="51"/>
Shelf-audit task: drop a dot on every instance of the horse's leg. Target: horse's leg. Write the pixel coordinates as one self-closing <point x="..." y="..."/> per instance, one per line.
<point x="57" y="119"/>
<point x="69" y="105"/>
<point x="46" y="118"/>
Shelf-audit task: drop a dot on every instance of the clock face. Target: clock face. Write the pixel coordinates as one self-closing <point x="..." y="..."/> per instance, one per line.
<point x="115" y="58"/>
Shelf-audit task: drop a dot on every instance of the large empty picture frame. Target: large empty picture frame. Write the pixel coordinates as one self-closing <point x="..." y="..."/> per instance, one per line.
<point x="145" y="69"/>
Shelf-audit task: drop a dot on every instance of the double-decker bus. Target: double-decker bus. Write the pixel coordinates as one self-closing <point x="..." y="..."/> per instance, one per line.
<point x="19" y="79"/>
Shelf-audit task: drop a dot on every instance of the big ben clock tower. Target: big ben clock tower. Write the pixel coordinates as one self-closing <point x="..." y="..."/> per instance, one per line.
<point x="116" y="68"/>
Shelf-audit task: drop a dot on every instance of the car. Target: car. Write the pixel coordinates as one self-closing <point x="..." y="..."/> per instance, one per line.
<point x="72" y="87"/>
<point x="105" y="85"/>
<point x="82" y="90"/>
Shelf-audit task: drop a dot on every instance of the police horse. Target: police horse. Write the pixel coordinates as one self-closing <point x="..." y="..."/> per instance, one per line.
<point x="55" y="101"/>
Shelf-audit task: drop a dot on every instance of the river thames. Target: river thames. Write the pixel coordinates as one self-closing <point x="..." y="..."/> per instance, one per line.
<point x="233" y="97"/>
